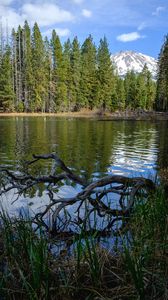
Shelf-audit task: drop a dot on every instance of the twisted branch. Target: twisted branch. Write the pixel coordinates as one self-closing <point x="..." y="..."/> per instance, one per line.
<point x="90" y="200"/>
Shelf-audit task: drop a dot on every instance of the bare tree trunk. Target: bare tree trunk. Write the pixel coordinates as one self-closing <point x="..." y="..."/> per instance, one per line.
<point x="20" y="67"/>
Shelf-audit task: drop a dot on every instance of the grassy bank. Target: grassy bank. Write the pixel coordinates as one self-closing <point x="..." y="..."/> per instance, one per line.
<point x="82" y="113"/>
<point x="118" y="115"/>
<point x="136" y="268"/>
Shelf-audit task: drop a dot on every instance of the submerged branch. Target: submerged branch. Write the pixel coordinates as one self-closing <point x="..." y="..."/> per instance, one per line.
<point x="96" y="198"/>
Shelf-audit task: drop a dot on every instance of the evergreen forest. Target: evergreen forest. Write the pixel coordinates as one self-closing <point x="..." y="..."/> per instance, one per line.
<point x="42" y="75"/>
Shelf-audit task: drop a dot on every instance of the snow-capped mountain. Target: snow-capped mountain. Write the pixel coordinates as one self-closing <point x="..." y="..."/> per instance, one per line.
<point x="129" y="60"/>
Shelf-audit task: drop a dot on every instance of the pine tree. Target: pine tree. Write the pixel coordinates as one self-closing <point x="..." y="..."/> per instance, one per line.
<point x="141" y="92"/>
<point x="20" y="63"/>
<point x="14" y="68"/>
<point x="18" y="67"/>
<point x="39" y="80"/>
<point x="48" y="75"/>
<point x="68" y="72"/>
<point x="59" y="74"/>
<point x="76" y="74"/>
<point x="6" y="86"/>
<point x="130" y="90"/>
<point x="151" y="91"/>
<point x="27" y="66"/>
<point x="120" y="91"/>
<point x="162" y="78"/>
<point x="105" y="74"/>
<point x="88" y="74"/>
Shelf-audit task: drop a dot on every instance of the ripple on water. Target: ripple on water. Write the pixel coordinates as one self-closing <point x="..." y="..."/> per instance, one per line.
<point x="91" y="148"/>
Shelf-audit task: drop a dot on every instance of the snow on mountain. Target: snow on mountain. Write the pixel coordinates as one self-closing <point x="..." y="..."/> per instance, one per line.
<point x="129" y="60"/>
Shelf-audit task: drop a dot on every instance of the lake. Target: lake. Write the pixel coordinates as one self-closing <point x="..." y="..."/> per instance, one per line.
<point x="92" y="148"/>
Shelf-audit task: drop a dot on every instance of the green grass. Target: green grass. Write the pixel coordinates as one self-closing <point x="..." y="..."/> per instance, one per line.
<point x="24" y="259"/>
<point x="145" y="256"/>
<point x="28" y="270"/>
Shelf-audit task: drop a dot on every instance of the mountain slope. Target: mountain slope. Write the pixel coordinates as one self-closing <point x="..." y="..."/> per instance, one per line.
<point x="129" y="60"/>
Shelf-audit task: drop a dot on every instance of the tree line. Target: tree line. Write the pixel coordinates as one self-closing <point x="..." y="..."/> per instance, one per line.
<point x="42" y="75"/>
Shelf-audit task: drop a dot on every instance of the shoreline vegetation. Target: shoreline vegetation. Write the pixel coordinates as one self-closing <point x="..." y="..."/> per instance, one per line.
<point x="132" y="265"/>
<point x="136" y="267"/>
<point x="97" y="114"/>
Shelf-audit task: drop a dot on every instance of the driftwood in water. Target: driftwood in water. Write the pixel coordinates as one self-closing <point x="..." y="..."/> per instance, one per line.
<point x="91" y="198"/>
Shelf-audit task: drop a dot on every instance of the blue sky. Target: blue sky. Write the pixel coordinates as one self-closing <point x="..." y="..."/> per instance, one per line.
<point x="138" y="25"/>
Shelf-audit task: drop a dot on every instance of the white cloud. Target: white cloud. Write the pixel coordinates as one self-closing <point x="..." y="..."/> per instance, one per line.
<point x="11" y="17"/>
<point x="46" y="14"/>
<point x="63" y="32"/>
<point x="158" y="10"/>
<point x="129" y="37"/>
<point x="86" y="13"/>
<point x="60" y="31"/>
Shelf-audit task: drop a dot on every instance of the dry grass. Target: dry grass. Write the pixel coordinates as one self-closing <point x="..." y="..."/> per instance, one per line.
<point x="84" y="113"/>
<point x="96" y="113"/>
<point x="164" y="175"/>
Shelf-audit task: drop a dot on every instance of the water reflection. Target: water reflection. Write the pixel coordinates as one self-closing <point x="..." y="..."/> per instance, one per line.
<point x="92" y="148"/>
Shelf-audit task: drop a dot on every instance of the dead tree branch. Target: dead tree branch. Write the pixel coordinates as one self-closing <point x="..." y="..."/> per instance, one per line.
<point x="96" y="198"/>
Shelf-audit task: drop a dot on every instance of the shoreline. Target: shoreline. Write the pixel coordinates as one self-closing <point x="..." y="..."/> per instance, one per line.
<point x="119" y="115"/>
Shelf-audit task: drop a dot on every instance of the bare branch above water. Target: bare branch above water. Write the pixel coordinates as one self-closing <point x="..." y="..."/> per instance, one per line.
<point x="95" y="197"/>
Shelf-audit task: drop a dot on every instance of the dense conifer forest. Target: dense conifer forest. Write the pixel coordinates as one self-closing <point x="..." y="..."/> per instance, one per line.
<point x="162" y="78"/>
<point x="42" y="75"/>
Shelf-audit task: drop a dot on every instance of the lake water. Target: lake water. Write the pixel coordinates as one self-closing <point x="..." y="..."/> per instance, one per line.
<point x="92" y="148"/>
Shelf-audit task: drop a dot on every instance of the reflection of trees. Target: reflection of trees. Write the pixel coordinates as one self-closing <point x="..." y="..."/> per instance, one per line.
<point x="7" y="140"/>
<point x="84" y="144"/>
<point x="163" y="144"/>
<point x="87" y="145"/>
<point x="137" y="134"/>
